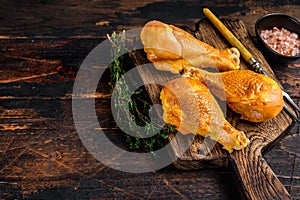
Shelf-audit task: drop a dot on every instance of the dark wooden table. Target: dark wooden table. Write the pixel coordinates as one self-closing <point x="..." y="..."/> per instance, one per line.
<point x="42" y="45"/>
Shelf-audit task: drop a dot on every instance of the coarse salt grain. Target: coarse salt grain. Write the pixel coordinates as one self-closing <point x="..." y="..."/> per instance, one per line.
<point x="282" y="41"/>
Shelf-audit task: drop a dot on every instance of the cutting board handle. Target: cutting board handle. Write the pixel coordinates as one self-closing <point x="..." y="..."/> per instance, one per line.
<point x="257" y="179"/>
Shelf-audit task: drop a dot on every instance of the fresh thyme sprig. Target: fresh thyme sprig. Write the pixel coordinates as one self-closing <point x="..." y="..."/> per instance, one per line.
<point x="118" y="45"/>
<point x="139" y="104"/>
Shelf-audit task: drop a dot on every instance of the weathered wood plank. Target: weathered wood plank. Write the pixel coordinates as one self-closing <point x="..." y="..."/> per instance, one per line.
<point x="41" y="68"/>
<point x="41" y="156"/>
<point x="50" y="18"/>
<point x="285" y="155"/>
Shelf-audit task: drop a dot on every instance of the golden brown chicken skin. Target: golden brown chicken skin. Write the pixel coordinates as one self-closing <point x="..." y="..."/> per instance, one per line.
<point x="172" y="49"/>
<point x="255" y="96"/>
<point x="189" y="106"/>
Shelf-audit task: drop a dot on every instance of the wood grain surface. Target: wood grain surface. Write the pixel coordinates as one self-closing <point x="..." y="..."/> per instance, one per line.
<point x="42" y="156"/>
<point x="42" y="45"/>
<point x="257" y="179"/>
<point x="249" y="163"/>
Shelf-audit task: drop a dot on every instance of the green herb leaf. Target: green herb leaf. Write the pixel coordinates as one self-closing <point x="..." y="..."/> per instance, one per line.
<point x="139" y="104"/>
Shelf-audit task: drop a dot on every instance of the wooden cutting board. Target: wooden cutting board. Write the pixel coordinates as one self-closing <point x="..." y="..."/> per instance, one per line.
<point x="255" y="178"/>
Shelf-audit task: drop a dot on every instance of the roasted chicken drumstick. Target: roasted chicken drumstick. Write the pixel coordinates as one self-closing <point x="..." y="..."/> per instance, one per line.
<point x="255" y="96"/>
<point x="189" y="106"/>
<point x="172" y="49"/>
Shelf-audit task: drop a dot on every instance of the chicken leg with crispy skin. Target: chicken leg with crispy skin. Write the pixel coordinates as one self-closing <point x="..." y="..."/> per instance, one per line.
<point x="189" y="106"/>
<point x="255" y="96"/>
<point x="172" y="49"/>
